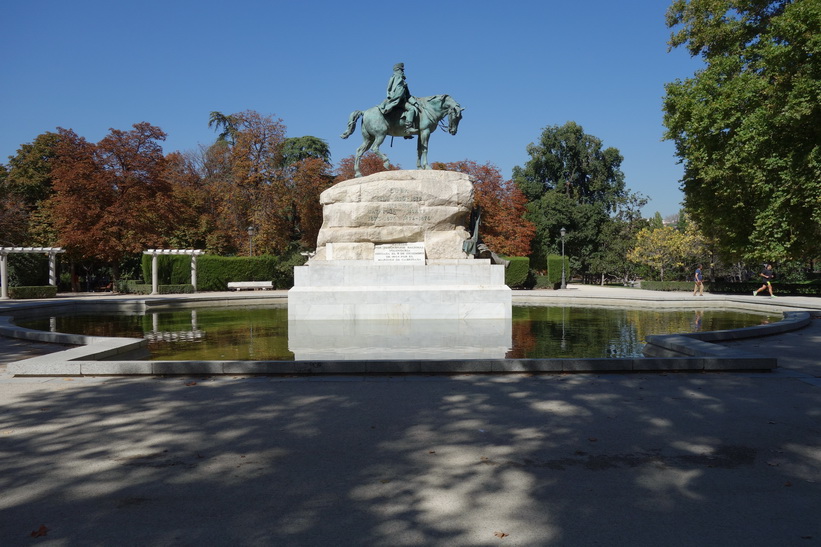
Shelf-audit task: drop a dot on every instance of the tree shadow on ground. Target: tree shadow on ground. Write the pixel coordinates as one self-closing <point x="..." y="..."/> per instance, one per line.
<point x="674" y="459"/>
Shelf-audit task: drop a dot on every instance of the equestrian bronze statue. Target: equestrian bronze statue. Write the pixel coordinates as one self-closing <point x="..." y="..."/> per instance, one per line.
<point x="403" y="115"/>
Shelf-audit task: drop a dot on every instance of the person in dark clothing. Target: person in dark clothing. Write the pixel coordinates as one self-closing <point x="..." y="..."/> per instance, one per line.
<point x="768" y="275"/>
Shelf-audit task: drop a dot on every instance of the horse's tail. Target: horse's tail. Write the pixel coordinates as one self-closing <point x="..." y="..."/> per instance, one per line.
<point x="354" y="117"/>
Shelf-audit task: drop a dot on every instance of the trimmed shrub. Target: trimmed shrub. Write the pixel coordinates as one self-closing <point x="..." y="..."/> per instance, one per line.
<point x="812" y="288"/>
<point x="554" y="271"/>
<point x="175" y="289"/>
<point x="45" y="291"/>
<point x="543" y="282"/>
<point x="171" y="269"/>
<point x="27" y="270"/>
<point x="214" y="272"/>
<point x="735" y="287"/>
<point x="130" y="286"/>
<point x="517" y="272"/>
<point x="671" y="286"/>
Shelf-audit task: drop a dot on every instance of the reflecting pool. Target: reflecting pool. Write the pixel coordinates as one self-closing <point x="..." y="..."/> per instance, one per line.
<point x="264" y="334"/>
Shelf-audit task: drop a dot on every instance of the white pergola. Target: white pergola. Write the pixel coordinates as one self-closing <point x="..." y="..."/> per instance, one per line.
<point x="52" y="253"/>
<point x="154" y="253"/>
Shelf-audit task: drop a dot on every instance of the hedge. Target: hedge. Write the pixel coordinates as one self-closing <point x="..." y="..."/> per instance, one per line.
<point x="735" y="287"/>
<point x="543" y="282"/>
<point x="516" y="273"/>
<point x="554" y="271"/>
<point x="214" y="272"/>
<point x="671" y="285"/>
<point x="130" y="286"/>
<point x="782" y="289"/>
<point x="27" y="270"/>
<point x="45" y="291"/>
<point x="171" y="269"/>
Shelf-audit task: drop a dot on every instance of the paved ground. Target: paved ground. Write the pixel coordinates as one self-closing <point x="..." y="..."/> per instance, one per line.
<point x="584" y="459"/>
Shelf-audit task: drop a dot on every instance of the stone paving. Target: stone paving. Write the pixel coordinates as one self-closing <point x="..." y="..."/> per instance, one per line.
<point x="638" y="459"/>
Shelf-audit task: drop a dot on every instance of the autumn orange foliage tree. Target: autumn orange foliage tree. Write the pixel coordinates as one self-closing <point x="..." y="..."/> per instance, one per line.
<point x="503" y="227"/>
<point x="253" y="182"/>
<point x="369" y="164"/>
<point x="111" y="198"/>
<point x="194" y="204"/>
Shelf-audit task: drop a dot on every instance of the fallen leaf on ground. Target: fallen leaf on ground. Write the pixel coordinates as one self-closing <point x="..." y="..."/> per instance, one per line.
<point x="500" y="534"/>
<point x="40" y="532"/>
<point x="190" y="383"/>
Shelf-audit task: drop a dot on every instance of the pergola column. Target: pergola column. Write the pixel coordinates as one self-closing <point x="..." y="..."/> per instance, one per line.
<point x="194" y="271"/>
<point x="4" y="275"/>
<point x="155" y="253"/>
<point x="52" y="269"/>
<point x="52" y="253"/>
<point x="155" y="274"/>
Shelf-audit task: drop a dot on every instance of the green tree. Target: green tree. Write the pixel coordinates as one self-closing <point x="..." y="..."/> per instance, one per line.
<point x="13" y="219"/>
<point x="29" y="173"/>
<point x="658" y="248"/>
<point x="747" y="127"/>
<point x="228" y="126"/>
<point x="668" y="248"/>
<point x="571" y="181"/>
<point x="656" y="222"/>
<point x="296" y="149"/>
<point x="617" y="238"/>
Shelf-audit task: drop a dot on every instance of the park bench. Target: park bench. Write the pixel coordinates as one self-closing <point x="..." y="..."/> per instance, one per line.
<point x="251" y="285"/>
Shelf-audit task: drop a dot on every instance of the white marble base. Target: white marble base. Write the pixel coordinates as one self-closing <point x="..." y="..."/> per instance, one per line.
<point x="398" y="340"/>
<point x="364" y="290"/>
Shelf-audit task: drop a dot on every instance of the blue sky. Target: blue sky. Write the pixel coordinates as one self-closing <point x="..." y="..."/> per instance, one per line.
<point x="517" y="67"/>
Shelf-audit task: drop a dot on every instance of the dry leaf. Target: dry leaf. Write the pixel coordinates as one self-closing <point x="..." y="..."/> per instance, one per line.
<point x="40" y="532"/>
<point x="500" y="534"/>
<point x="190" y="383"/>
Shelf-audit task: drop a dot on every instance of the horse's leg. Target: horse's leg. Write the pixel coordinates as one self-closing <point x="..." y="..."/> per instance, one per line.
<point x="422" y="149"/>
<point x="379" y="138"/>
<point x="367" y="141"/>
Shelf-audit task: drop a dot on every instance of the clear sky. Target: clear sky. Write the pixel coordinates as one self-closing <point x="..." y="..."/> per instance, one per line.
<point x="517" y="67"/>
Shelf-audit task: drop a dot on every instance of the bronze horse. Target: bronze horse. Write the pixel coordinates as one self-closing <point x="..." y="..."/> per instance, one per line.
<point x="376" y="126"/>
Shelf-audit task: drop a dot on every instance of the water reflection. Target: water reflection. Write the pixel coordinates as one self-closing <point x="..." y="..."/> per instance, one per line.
<point x="264" y="334"/>
<point x="428" y="339"/>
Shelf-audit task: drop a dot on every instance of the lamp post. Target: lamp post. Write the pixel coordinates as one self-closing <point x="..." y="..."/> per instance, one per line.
<point x="563" y="232"/>
<point x="251" y="232"/>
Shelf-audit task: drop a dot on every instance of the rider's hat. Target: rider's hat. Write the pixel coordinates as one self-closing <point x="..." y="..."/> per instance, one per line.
<point x="399" y="66"/>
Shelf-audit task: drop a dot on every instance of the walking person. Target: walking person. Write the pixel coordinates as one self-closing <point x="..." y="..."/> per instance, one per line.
<point x="699" y="279"/>
<point x="768" y="275"/>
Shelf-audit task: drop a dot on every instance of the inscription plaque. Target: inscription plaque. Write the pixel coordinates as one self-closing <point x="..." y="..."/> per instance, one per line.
<point x="400" y="252"/>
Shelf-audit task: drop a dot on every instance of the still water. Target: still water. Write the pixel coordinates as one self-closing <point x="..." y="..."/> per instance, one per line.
<point x="262" y="333"/>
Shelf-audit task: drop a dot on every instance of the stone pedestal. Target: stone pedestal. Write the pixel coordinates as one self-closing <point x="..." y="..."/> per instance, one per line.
<point x="365" y="290"/>
<point x="390" y="249"/>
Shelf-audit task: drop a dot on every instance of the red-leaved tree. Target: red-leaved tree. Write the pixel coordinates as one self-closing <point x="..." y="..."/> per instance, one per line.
<point x="503" y="227"/>
<point x="111" y="199"/>
<point x="369" y="164"/>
